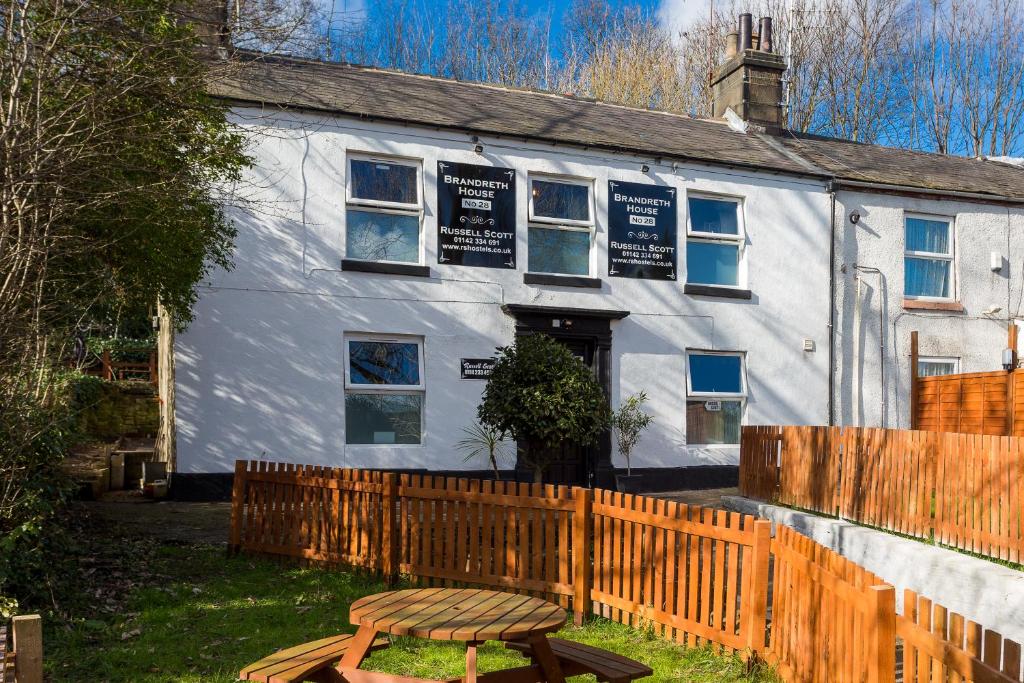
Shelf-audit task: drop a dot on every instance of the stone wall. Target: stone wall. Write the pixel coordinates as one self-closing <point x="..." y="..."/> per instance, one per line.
<point x="113" y="409"/>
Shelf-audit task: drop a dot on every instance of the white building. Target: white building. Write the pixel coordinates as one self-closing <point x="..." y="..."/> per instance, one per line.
<point x="702" y="264"/>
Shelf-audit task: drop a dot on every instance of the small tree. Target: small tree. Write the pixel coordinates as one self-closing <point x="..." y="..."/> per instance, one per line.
<point x="630" y="421"/>
<point x="542" y="395"/>
<point x="483" y="441"/>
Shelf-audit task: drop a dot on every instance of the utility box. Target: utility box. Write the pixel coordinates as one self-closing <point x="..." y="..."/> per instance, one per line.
<point x="116" y="471"/>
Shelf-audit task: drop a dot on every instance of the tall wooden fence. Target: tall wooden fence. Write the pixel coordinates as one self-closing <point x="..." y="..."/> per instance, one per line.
<point x="692" y="574"/>
<point x="963" y="490"/>
<point x="970" y="403"/>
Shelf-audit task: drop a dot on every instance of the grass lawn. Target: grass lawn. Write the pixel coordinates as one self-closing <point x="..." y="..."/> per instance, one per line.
<point x="155" y="612"/>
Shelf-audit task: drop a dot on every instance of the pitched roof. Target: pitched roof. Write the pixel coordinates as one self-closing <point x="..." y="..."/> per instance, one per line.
<point x="381" y="94"/>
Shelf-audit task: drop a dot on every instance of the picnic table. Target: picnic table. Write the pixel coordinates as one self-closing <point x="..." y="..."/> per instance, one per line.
<point x="470" y="615"/>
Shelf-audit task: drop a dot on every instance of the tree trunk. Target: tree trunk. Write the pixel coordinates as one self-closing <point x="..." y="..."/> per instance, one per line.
<point x="538" y="474"/>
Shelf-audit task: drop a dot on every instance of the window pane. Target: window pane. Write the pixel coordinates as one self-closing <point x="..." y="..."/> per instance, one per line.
<point x="721" y="426"/>
<point x="714" y="215"/>
<point x="372" y="362"/>
<point x="934" y="368"/>
<point x="559" y="251"/>
<point x="925" y="235"/>
<point x="712" y="263"/>
<point x="926" y="277"/>
<point x="715" y="374"/>
<point x="373" y="236"/>
<point x="561" y="200"/>
<point x="383" y="181"/>
<point x="383" y="418"/>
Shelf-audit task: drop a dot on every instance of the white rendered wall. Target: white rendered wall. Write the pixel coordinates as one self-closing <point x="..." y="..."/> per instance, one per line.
<point x="873" y="360"/>
<point x="260" y="370"/>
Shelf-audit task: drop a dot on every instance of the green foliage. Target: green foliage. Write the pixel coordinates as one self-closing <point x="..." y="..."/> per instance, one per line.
<point x="629" y="422"/>
<point x="34" y="492"/>
<point x="542" y="395"/>
<point x="122" y="348"/>
<point x="482" y="441"/>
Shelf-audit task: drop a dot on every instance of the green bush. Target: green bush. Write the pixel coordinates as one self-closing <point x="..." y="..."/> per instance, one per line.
<point x="34" y="491"/>
<point x="541" y="395"/>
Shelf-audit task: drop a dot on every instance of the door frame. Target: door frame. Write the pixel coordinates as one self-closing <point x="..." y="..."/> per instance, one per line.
<point x="588" y="325"/>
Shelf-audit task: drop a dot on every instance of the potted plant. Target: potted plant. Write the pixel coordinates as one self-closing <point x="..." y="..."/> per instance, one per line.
<point x="542" y="395"/>
<point x="629" y="422"/>
<point x="482" y="441"/>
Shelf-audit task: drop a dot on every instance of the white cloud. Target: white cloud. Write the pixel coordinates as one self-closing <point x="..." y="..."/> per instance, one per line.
<point x="679" y="15"/>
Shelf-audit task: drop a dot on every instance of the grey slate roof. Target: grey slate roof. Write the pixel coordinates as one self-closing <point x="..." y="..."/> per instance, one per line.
<point x="422" y="100"/>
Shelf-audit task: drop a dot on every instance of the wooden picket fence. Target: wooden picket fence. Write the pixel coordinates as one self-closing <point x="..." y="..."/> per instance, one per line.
<point x="962" y="490"/>
<point x="23" y="661"/>
<point x="693" y="575"/>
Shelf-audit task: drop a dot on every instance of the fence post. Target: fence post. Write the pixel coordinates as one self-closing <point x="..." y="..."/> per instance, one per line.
<point x="237" y="507"/>
<point x="757" y="601"/>
<point x="882" y="634"/>
<point x="28" y="648"/>
<point x="108" y="370"/>
<point x="389" y="540"/>
<point x="582" y="572"/>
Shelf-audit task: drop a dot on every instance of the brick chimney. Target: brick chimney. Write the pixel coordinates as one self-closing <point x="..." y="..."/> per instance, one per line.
<point x="750" y="80"/>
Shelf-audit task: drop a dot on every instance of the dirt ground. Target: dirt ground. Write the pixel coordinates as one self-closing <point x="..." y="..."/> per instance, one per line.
<point x="172" y="521"/>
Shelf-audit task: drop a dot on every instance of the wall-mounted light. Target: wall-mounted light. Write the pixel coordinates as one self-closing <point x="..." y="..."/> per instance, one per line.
<point x="855" y="217"/>
<point x="1008" y="359"/>
<point x="645" y="168"/>
<point x="478" y="146"/>
<point x="995" y="261"/>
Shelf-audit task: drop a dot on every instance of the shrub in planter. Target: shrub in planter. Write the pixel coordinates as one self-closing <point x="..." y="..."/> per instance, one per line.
<point x="541" y="395"/>
<point x="630" y="421"/>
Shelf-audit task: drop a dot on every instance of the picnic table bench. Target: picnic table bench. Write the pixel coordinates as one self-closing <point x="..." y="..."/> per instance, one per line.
<point x="470" y="615"/>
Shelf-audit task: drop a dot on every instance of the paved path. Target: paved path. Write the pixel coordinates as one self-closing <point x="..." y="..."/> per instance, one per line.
<point x="706" y="497"/>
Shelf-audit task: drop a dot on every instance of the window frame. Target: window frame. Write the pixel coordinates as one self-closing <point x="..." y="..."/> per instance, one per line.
<point x="739" y="239"/>
<point x="742" y="394"/>
<point x="950" y="222"/>
<point x="955" y="360"/>
<point x="385" y="207"/>
<point x="568" y="225"/>
<point x="723" y="396"/>
<point x="351" y="387"/>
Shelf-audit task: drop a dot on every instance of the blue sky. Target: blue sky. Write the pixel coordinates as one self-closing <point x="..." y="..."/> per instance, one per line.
<point x="676" y="14"/>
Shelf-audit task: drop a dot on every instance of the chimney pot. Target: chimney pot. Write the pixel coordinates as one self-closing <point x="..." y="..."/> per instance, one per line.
<point x="765" y="34"/>
<point x="732" y="40"/>
<point x="745" y="31"/>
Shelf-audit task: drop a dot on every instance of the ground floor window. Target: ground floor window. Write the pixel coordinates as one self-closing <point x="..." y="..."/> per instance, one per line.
<point x="935" y="366"/>
<point x="384" y="389"/>
<point x="715" y="397"/>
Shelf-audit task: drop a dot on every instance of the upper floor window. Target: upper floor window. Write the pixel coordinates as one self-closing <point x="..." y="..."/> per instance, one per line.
<point x="384" y="207"/>
<point x="928" y="259"/>
<point x="937" y="365"/>
<point x="561" y="231"/>
<point x="383" y="389"/>
<point x="714" y="240"/>
<point x="716" y="389"/>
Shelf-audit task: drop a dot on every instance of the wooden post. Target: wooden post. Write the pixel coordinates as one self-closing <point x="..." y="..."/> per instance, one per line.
<point x="882" y="635"/>
<point x="153" y="377"/>
<point x="237" y="507"/>
<point x="108" y="370"/>
<point x="582" y="571"/>
<point x="389" y="539"/>
<point x="914" y="384"/>
<point x="757" y="600"/>
<point x="28" y="648"/>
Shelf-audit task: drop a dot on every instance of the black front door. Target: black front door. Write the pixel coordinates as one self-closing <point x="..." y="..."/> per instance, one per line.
<point x="587" y="333"/>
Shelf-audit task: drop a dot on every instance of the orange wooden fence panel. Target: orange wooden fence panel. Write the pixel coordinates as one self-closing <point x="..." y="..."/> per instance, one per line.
<point x="507" y="535"/>
<point x="308" y="512"/>
<point x="941" y="646"/>
<point x="974" y="403"/>
<point x="825" y="621"/>
<point x="964" y="490"/>
<point x="689" y="572"/>
<point x="759" y="462"/>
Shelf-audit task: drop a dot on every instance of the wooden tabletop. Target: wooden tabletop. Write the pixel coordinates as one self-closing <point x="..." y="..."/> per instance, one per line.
<point x="467" y="614"/>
